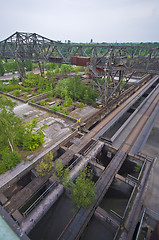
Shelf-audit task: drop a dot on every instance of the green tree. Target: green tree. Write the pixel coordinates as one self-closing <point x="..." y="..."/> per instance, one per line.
<point x="28" y="65"/>
<point x="61" y="173"/>
<point x="45" y="165"/>
<point x="9" y="160"/>
<point x="84" y="192"/>
<point x="76" y="90"/>
<point x="68" y="101"/>
<point x="86" y="97"/>
<point x="35" y="80"/>
<point x="10" y="125"/>
<point x="11" y="129"/>
<point x="61" y="88"/>
<point x="10" y="66"/>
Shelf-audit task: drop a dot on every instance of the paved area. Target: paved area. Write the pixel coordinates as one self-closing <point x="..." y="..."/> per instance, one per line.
<point x="56" y="127"/>
<point x="151" y="148"/>
<point x="26" y="111"/>
<point x="83" y="113"/>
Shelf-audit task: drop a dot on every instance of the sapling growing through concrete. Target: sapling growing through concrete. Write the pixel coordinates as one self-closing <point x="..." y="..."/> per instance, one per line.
<point x="83" y="190"/>
<point x="62" y="174"/>
<point x="45" y="165"/>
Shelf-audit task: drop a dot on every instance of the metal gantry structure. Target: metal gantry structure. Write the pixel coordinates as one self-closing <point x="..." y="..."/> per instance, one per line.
<point x="103" y="61"/>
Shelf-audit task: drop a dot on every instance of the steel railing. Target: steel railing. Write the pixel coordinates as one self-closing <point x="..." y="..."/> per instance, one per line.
<point x="34" y="204"/>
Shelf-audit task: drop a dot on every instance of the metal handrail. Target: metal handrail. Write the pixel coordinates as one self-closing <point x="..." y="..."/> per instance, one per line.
<point x="116" y="233"/>
<point x="34" y="204"/>
<point x="74" y="163"/>
<point x="118" y="215"/>
<point x="89" y="148"/>
<point x="137" y="179"/>
<point x="141" y="221"/>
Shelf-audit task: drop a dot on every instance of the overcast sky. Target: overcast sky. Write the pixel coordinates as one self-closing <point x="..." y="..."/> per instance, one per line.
<point x="82" y="20"/>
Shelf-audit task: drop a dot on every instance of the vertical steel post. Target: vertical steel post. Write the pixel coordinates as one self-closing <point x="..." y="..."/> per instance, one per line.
<point x="41" y="67"/>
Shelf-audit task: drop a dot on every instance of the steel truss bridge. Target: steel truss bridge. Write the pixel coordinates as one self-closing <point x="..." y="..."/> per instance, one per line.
<point x="105" y="61"/>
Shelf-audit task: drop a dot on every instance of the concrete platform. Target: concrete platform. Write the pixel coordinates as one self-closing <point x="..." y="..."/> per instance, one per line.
<point x="151" y="148"/>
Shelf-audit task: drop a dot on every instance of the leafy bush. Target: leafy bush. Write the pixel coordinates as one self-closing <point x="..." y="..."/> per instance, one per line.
<point x="60" y="107"/>
<point x="49" y="99"/>
<point x="14" y="81"/>
<point x="50" y="95"/>
<point x="84" y="192"/>
<point x="11" y="65"/>
<point x="14" y="135"/>
<point x="8" y="88"/>
<point x="81" y="105"/>
<point x="35" y="141"/>
<point x="9" y="161"/>
<point x="22" y="88"/>
<point x="42" y="102"/>
<point x="66" y="112"/>
<point x="35" y="80"/>
<point x="2" y="87"/>
<point x="33" y="138"/>
<point x="68" y="101"/>
<point x="3" y="167"/>
<point x="55" y="108"/>
<point x="61" y="173"/>
<point x="74" y="88"/>
<point x="45" y="165"/>
<point x="137" y="168"/>
<point x="16" y="93"/>
<point x="28" y="89"/>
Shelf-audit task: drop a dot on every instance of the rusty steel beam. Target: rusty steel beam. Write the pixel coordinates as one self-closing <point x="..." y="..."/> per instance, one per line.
<point x="102" y="60"/>
<point x="114" y="57"/>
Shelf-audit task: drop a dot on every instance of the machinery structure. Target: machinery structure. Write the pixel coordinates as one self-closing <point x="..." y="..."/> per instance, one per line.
<point x="106" y="63"/>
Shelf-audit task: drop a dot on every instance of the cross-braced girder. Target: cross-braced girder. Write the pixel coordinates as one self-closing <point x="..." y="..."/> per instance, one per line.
<point x="35" y="47"/>
<point x="101" y="59"/>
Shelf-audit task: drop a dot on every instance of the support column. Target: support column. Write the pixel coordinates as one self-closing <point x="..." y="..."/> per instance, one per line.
<point x="107" y="80"/>
<point x="41" y="67"/>
<point x="120" y="80"/>
<point x="21" y="70"/>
